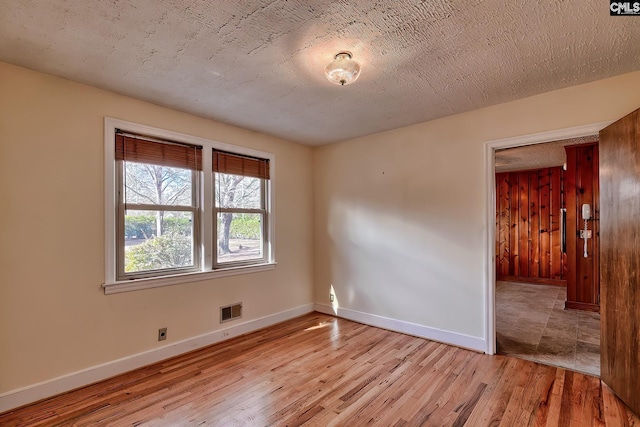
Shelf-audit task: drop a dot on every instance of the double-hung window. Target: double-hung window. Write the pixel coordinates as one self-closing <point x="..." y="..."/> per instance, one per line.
<point x="240" y="208"/>
<point x="158" y="207"/>
<point x="181" y="208"/>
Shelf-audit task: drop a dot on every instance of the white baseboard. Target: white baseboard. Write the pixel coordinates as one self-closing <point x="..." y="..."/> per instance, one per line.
<point x="409" y="328"/>
<point x="52" y="387"/>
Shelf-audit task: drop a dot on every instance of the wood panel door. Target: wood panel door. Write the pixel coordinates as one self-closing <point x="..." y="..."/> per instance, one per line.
<point x="581" y="186"/>
<point x="620" y="258"/>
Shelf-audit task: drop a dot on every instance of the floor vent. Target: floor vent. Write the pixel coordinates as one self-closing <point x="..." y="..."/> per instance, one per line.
<point x="230" y="312"/>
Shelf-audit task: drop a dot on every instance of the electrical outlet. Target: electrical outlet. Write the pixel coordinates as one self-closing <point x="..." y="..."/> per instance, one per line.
<point x="162" y="334"/>
<point x="331" y="297"/>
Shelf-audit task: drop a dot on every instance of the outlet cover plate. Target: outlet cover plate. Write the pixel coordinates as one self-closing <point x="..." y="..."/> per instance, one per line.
<point x="162" y="334"/>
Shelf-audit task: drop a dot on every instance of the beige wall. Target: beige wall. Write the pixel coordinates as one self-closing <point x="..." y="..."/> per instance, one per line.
<point x="399" y="222"/>
<point x="400" y="216"/>
<point x="54" y="317"/>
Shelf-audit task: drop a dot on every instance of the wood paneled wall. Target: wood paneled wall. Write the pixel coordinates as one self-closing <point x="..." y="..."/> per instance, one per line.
<point x="528" y="210"/>
<point x="582" y="186"/>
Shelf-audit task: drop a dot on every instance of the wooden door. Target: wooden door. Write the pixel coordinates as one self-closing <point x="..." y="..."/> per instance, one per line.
<point x="620" y="258"/>
<point x="581" y="186"/>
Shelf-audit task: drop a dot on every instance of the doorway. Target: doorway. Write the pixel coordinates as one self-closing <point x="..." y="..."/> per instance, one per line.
<point x="526" y="310"/>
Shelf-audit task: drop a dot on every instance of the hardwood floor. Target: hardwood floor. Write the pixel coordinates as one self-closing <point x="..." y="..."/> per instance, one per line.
<point x="318" y="370"/>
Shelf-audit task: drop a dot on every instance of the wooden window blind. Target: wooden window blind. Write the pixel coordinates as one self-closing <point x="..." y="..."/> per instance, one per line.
<point x="139" y="149"/>
<point x="236" y="164"/>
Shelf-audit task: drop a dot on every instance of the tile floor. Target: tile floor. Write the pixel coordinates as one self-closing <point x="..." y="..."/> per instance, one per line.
<point x="532" y="324"/>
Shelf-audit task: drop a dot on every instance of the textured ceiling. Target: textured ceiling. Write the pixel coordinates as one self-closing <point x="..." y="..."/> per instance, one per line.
<point x="259" y="64"/>
<point x="537" y="156"/>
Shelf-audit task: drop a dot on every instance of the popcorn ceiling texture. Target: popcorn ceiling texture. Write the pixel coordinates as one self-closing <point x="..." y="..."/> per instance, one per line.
<point x="259" y="64"/>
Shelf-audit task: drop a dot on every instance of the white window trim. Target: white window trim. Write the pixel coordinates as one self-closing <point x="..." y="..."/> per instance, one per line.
<point x="112" y="285"/>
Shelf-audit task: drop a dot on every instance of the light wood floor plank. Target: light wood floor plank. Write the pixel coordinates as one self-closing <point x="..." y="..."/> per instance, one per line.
<point x="318" y="370"/>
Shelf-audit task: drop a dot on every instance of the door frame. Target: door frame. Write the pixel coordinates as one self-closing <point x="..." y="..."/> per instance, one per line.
<point x="490" y="148"/>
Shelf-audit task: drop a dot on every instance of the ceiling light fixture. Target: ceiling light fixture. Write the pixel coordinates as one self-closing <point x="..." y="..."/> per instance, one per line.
<point x="343" y="69"/>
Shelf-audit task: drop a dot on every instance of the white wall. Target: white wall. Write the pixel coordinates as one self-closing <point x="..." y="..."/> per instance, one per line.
<point x="54" y="316"/>
<point x="400" y="215"/>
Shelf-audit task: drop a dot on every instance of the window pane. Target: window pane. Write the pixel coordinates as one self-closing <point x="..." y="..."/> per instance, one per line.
<point x="157" y="185"/>
<point x="147" y="249"/>
<point x="239" y="237"/>
<point x="236" y="191"/>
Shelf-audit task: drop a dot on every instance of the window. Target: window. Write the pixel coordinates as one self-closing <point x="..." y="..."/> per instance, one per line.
<point x="158" y="211"/>
<point x="181" y="208"/>
<point x="239" y="208"/>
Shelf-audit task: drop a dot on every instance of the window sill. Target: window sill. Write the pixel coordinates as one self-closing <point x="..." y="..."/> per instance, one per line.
<point x="176" y="279"/>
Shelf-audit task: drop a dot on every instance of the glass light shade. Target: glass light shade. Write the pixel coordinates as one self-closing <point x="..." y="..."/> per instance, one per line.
<point x="343" y="69"/>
